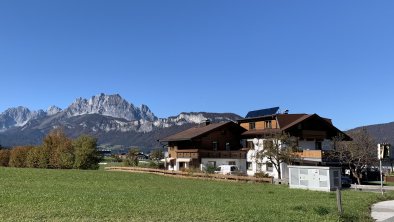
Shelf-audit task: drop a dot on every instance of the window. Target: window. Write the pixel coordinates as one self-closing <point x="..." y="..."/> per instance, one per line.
<point x="268" y="124"/>
<point x="212" y="163"/>
<point x="269" y="167"/>
<point x="215" y="145"/>
<point x="233" y="168"/>
<point x="228" y="147"/>
<point x="249" y="165"/>
<point x="231" y="162"/>
<point x="252" y="126"/>
<point x="250" y="145"/>
<point x="318" y="145"/>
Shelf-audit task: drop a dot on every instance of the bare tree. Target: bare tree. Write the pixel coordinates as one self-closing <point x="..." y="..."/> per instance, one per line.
<point x="132" y="157"/>
<point x="358" y="154"/>
<point x="156" y="155"/>
<point x="280" y="148"/>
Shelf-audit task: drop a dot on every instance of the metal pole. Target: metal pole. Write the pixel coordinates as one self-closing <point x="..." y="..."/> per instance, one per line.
<point x="381" y="176"/>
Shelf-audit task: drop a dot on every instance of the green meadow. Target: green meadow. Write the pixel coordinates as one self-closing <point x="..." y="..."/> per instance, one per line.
<point x="77" y="195"/>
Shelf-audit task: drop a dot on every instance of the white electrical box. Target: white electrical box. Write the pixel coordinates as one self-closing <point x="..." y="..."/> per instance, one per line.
<point x="315" y="178"/>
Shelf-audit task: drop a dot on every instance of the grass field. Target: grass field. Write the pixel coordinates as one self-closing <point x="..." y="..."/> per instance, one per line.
<point x="72" y="195"/>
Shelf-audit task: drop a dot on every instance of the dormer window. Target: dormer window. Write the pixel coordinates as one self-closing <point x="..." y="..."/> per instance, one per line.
<point x="252" y="126"/>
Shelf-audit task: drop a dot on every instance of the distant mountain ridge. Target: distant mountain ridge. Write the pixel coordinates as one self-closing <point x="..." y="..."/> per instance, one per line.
<point x="382" y="133"/>
<point x="110" y="118"/>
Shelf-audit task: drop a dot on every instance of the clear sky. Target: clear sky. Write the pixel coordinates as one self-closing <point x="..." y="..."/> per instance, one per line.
<point x="333" y="58"/>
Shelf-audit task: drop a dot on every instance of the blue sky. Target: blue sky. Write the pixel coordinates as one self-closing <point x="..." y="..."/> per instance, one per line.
<point x="333" y="58"/>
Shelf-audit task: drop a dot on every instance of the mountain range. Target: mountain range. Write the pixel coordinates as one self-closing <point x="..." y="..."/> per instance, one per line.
<point x="116" y="122"/>
<point x="110" y="118"/>
<point x="382" y="133"/>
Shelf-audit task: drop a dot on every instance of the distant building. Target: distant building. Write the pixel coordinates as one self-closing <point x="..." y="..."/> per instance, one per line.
<point x="211" y="144"/>
<point x="313" y="134"/>
<point x="230" y="143"/>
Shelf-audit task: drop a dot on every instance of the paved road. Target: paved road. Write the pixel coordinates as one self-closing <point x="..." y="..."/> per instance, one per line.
<point x="383" y="211"/>
<point x="374" y="188"/>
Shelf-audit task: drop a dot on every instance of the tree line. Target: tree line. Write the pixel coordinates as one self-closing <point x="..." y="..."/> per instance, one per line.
<point x="57" y="151"/>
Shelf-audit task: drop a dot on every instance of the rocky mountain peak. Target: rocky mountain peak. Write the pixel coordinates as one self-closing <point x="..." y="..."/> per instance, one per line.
<point x="18" y="116"/>
<point x="110" y="105"/>
<point x="52" y="110"/>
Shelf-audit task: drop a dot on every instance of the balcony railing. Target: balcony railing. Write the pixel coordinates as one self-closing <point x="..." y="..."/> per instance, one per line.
<point x="195" y="154"/>
<point x="321" y="155"/>
<point x="316" y="154"/>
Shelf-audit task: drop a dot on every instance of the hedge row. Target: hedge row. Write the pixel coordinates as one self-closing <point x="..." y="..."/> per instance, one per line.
<point x="56" y="152"/>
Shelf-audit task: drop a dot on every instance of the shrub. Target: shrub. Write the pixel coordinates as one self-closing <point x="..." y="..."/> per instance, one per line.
<point x="4" y="157"/>
<point x="18" y="156"/>
<point x="116" y="158"/>
<point x="156" y="155"/>
<point x="33" y="157"/>
<point x="86" y="154"/>
<point x="63" y="155"/>
<point x="210" y="169"/>
<point x="154" y="165"/>
<point x="58" y="148"/>
<point x="44" y="156"/>
<point x="262" y="175"/>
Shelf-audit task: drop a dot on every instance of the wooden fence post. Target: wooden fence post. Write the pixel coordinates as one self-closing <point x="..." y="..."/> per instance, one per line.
<point x="339" y="201"/>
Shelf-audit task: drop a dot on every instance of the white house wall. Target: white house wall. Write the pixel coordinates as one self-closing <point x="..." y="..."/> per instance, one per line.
<point x="311" y="145"/>
<point x="241" y="163"/>
<point x="261" y="165"/>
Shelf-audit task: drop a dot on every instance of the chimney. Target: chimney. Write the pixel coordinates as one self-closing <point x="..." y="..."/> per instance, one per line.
<point x="207" y="122"/>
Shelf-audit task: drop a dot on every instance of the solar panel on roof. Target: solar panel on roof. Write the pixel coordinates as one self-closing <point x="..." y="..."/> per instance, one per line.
<point x="262" y="112"/>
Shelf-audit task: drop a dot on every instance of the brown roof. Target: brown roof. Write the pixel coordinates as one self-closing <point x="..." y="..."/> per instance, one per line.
<point x="288" y="125"/>
<point x="285" y="120"/>
<point x="302" y="118"/>
<point x="196" y="132"/>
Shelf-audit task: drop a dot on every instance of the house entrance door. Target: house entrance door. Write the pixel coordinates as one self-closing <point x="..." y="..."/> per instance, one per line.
<point x="182" y="165"/>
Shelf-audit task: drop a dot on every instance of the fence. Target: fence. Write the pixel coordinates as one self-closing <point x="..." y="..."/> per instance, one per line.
<point x="192" y="174"/>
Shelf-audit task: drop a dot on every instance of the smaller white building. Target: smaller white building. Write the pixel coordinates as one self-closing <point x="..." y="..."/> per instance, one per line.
<point x="256" y="165"/>
<point x="315" y="178"/>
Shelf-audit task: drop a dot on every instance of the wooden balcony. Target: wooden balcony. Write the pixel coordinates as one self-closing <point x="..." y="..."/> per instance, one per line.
<point x="316" y="154"/>
<point x="196" y="154"/>
<point x="319" y="155"/>
<point x="193" y="153"/>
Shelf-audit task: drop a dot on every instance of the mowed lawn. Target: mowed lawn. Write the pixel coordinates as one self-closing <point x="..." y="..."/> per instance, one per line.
<point x="72" y="195"/>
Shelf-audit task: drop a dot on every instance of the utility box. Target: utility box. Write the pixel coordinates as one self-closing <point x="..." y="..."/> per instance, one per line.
<point x="315" y="178"/>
